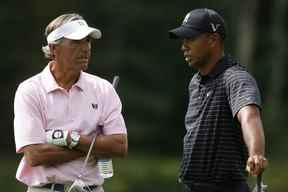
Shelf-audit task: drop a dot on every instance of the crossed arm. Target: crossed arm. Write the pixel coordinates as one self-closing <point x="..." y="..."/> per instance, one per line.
<point x="48" y="154"/>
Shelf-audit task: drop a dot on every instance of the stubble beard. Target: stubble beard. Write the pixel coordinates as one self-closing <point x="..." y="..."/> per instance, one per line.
<point x="201" y="63"/>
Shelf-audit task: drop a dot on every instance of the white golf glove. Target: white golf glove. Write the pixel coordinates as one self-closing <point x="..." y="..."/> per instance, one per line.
<point x="57" y="137"/>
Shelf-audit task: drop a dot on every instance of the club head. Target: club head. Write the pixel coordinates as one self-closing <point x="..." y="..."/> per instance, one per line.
<point x="263" y="188"/>
<point x="260" y="186"/>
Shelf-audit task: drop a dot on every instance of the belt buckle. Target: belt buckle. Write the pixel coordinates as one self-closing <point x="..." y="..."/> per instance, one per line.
<point x="55" y="187"/>
<point x="90" y="187"/>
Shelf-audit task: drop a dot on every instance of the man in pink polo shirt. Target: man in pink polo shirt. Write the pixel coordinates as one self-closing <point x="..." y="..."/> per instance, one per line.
<point x="61" y="109"/>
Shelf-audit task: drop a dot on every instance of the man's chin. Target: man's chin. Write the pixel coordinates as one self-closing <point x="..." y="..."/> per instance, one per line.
<point x="192" y="64"/>
<point x="195" y="64"/>
<point x="85" y="67"/>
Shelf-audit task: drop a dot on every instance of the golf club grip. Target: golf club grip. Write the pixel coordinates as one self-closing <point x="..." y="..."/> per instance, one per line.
<point x="259" y="183"/>
<point x="115" y="82"/>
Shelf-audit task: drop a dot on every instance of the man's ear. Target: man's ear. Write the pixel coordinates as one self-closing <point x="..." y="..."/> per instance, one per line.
<point x="213" y="38"/>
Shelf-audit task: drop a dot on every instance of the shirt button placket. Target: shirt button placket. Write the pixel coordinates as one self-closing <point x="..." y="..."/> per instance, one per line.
<point x="70" y="112"/>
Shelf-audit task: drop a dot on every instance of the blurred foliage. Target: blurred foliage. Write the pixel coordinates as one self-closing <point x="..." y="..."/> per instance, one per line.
<point x="154" y="76"/>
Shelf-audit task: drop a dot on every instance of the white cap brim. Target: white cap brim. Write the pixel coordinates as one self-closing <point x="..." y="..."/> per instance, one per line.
<point x="84" y="32"/>
<point x="74" y="30"/>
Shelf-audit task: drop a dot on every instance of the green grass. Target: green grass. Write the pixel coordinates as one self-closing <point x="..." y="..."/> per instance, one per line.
<point x="144" y="172"/>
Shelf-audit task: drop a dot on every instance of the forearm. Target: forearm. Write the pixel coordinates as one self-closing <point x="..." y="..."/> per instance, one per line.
<point x="105" y="145"/>
<point x="250" y="120"/>
<point x="49" y="155"/>
<point x="253" y="133"/>
<point x="254" y="137"/>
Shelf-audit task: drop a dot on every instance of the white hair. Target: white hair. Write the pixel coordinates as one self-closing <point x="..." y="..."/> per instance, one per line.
<point x="62" y="19"/>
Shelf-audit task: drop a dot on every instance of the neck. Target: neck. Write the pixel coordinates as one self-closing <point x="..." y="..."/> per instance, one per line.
<point x="212" y="62"/>
<point x="64" y="77"/>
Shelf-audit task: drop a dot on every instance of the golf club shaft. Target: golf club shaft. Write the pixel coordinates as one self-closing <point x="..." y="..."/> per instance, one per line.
<point x="105" y="166"/>
<point x="259" y="183"/>
<point x="115" y="82"/>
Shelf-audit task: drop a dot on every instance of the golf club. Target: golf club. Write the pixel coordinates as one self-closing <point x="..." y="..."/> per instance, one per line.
<point x="79" y="185"/>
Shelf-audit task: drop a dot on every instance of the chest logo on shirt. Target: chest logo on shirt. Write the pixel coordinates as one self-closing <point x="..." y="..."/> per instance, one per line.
<point x="94" y="106"/>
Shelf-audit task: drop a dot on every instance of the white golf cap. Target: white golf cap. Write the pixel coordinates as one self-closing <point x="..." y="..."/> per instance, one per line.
<point x="74" y="30"/>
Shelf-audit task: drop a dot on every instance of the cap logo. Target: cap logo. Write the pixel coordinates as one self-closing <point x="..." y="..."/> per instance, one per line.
<point x="186" y="18"/>
<point x="214" y="27"/>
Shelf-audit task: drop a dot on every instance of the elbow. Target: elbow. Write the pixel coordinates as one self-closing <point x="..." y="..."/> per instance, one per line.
<point x="32" y="156"/>
<point x="112" y="146"/>
<point x="122" y="149"/>
<point x="32" y="160"/>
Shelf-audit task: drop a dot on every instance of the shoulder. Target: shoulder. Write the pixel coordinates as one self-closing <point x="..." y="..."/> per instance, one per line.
<point x="28" y="91"/>
<point x="30" y="85"/>
<point x="96" y="82"/>
<point x="237" y="74"/>
<point x="240" y="83"/>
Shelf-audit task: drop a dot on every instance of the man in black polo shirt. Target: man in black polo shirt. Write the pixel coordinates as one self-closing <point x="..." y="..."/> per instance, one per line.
<point x="223" y="116"/>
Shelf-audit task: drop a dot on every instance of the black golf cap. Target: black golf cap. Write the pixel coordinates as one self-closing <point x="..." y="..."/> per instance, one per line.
<point x="199" y="21"/>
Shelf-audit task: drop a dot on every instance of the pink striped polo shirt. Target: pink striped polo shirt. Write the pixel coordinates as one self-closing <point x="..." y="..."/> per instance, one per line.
<point x="40" y="104"/>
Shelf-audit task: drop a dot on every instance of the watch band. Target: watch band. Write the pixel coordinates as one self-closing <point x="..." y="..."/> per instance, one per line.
<point x="75" y="137"/>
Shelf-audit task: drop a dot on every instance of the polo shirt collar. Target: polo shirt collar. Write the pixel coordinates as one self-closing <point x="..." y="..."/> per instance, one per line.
<point x="220" y="67"/>
<point x="50" y="83"/>
<point x="80" y="83"/>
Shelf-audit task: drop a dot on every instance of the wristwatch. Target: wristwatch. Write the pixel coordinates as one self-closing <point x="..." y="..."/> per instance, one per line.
<point x="75" y="137"/>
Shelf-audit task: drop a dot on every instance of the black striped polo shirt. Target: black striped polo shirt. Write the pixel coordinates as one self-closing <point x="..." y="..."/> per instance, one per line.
<point x="214" y="149"/>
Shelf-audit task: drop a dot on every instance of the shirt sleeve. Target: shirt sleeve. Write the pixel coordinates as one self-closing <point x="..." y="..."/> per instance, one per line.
<point x="242" y="90"/>
<point x="28" y="124"/>
<point x="113" y="118"/>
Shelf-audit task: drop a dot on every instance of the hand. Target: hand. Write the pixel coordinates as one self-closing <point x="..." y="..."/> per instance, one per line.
<point x="256" y="164"/>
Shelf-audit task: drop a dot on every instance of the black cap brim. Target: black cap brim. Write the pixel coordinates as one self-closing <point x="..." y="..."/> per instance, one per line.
<point x="183" y="32"/>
